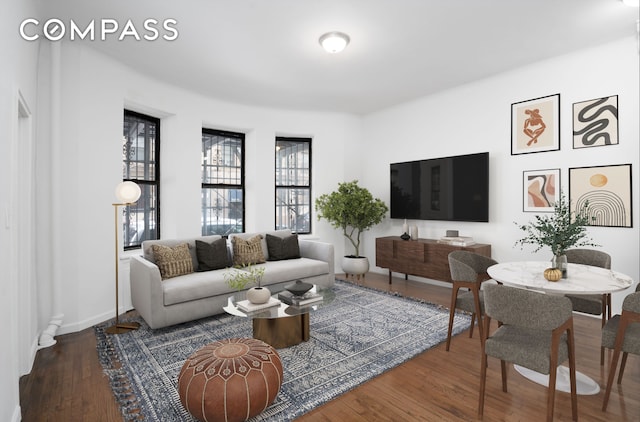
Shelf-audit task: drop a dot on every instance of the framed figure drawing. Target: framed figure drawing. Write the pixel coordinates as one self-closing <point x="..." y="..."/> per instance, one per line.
<point x="595" y="122"/>
<point x="540" y="190"/>
<point x="535" y="125"/>
<point x="608" y="191"/>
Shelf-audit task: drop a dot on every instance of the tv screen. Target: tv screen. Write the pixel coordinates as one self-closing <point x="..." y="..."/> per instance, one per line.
<point x="450" y="188"/>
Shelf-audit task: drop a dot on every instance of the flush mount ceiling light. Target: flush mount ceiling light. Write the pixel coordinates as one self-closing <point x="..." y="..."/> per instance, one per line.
<point x="334" y="42"/>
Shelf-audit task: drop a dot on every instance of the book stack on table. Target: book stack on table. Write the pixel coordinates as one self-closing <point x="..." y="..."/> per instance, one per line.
<point x="306" y="299"/>
<point x="246" y="306"/>
<point x="457" y="240"/>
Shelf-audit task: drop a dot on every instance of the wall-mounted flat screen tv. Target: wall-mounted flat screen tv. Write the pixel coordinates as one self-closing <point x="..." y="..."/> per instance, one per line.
<point x="449" y="188"/>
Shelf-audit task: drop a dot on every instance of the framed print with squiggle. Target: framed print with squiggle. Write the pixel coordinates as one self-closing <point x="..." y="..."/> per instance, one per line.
<point x="595" y="122"/>
<point x="607" y="189"/>
<point x="535" y="125"/>
<point x="541" y="190"/>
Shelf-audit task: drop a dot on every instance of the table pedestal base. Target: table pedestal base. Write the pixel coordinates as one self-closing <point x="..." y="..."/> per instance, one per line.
<point x="584" y="385"/>
<point x="282" y="332"/>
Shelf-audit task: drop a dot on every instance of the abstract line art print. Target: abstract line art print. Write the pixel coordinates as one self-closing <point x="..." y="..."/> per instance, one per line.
<point x="535" y="125"/>
<point x="607" y="190"/>
<point x="595" y="122"/>
<point x="541" y="190"/>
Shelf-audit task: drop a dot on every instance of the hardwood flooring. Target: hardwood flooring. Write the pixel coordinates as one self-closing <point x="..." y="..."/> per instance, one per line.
<point x="67" y="382"/>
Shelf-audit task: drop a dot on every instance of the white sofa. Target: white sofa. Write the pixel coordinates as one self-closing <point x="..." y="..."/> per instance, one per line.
<point x="200" y="294"/>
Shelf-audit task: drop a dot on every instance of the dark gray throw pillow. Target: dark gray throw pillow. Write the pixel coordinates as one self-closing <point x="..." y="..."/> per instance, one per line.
<point x="212" y="256"/>
<point x="283" y="247"/>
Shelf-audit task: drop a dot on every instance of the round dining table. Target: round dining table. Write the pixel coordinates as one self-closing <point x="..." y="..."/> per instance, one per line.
<point x="580" y="280"/>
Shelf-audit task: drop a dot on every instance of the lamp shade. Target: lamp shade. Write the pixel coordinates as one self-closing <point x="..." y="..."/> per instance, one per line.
<point x="334" y="42"/>
<point x="127" y="192"/>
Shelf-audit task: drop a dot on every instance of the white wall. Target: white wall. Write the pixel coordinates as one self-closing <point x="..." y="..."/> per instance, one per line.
<point x="18" y="311"/>
<point x="476" y="117"/>
<point x="95" y="89"/>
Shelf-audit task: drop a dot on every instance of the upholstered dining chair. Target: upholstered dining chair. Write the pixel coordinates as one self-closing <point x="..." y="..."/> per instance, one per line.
<point x="535" y="331"/>
<point x="591" y="304"/>
<point x="622" y="334"/>
<point x="468" y="271"/>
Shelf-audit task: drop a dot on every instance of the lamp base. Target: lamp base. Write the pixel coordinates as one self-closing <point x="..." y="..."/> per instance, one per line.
<point x="122" y="327"/>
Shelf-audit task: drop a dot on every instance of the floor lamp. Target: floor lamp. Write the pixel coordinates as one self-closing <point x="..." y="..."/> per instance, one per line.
<point x="127" y="194"/>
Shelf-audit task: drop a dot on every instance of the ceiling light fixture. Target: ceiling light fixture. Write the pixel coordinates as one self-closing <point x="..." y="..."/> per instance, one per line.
<point x="632" y="3"/>
<point x="334" y="42"/>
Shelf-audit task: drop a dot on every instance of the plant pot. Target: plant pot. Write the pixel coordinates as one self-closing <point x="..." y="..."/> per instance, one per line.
<point x="258" y="295"/>
<point x="355" y="265"/>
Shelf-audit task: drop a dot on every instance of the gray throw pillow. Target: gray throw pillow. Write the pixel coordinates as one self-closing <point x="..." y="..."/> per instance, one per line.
<point x="212" y="256"/>
<point x="283" y="247"/>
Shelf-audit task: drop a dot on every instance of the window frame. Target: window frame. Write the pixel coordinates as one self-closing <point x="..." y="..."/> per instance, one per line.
<point x="242" y="137"/>
<point x="309" y="187"/>
<point x="144" y="182"/>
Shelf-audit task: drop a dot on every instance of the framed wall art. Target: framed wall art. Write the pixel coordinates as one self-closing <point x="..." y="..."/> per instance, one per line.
<point x="595" y="122"/>
<point x="607" y="190"/>
<point x="535" y="125"/>
<point x="541" y="190"/>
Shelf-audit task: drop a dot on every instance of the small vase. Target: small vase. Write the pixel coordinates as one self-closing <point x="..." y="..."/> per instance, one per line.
<point x="560" y="262"/>
<point x="258" y="295"/>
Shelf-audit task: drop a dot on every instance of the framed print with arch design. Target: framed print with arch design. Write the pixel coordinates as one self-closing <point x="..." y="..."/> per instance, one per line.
<point x="541" y="190"/>
<point x="535" y="125"/>
<point x="608" y="191"/>
<point x="595" y="122"/>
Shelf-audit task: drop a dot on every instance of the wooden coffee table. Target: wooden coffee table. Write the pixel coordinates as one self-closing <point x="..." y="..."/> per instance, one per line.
<point x="283" y="325"/>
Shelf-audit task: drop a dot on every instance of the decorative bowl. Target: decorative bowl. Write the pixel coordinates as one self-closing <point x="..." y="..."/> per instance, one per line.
<point x="298" y="288"/>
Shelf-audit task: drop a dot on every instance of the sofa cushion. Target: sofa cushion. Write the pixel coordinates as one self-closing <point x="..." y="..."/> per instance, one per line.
<point x="173" y="262"/>
<point x="195" y="286"/>
<point x="265" y="249"/>
<point x="248" y="251"/>
<point x="283" y="247"/>
<point x="147" y="246"/>
<point x="292" y="269"/>
<point x="212" y="256"/>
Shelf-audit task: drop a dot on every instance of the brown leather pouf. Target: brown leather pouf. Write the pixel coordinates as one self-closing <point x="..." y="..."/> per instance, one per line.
<point x="230" y="380"/>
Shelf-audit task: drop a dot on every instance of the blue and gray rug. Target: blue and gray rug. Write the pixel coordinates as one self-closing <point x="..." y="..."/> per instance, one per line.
<point x="360" y="335"/>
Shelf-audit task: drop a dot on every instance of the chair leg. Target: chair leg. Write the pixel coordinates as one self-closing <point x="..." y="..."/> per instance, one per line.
<point x="572" y="374"/>
<point x="473" y="322"/>
<point x="476" y="302"/>
<point x="623" y="363"/>
<point x="614" y="361"/>
<point x="551" y="391"/>
<point x="483" y="380"/>
<point x="503" y="372"/>
<point x="452" y="311"/>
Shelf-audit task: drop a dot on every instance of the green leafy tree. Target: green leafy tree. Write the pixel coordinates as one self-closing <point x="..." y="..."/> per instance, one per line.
<point x="352" y="209"/>
<point x="560" y="231"/>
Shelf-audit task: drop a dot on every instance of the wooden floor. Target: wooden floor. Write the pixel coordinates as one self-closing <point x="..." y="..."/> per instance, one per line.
<point x="67" y="383"/>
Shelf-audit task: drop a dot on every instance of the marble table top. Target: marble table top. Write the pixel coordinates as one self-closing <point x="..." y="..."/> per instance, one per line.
<point x="581" y="279"/>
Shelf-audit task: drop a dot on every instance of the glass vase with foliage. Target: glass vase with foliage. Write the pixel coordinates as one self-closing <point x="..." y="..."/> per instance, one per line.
<point x="560" y="231"/>
<point x="351" y="209"/>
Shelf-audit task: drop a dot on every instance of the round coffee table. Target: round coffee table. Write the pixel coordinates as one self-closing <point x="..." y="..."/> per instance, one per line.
<point x="281" y="325"/>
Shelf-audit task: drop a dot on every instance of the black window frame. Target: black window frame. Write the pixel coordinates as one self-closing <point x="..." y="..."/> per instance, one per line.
<point x="144" y="184"/>
<point x="238" y="228"/>
<point x="309" y="187"/>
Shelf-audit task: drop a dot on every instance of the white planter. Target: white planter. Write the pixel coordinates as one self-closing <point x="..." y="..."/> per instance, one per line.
<point x="258" y="295"/>
<point x="355" y="266"/>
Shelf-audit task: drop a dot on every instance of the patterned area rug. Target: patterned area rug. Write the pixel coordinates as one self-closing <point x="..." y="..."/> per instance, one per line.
<point x="360" y="335"/>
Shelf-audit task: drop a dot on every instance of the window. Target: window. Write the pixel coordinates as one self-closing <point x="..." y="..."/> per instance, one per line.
<point x="293" y="184"/>
<point x="141" y="164"/>
<point x="222" y="182"/>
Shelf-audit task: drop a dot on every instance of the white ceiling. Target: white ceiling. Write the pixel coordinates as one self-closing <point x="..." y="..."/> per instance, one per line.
<point x="266" y="52"/>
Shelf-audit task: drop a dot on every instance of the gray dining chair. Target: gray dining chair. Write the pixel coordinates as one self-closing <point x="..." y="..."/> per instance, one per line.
<point x="468" y="271"/>
<point x="535" y="331"/>
<point x="622" y="334"/>
<point x="591" y="304"/>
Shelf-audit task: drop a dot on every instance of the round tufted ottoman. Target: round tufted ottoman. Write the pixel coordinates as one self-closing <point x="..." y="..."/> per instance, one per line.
<point x="230" y="380"/>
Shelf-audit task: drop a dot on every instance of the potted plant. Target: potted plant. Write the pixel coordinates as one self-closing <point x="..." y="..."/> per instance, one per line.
<point x="244" y="275"/>
<point x="559" y="231"/>
<point x="352" y="209"/>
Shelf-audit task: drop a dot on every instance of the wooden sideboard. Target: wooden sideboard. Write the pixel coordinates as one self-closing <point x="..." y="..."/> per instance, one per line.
<point x="423" y="257"/>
